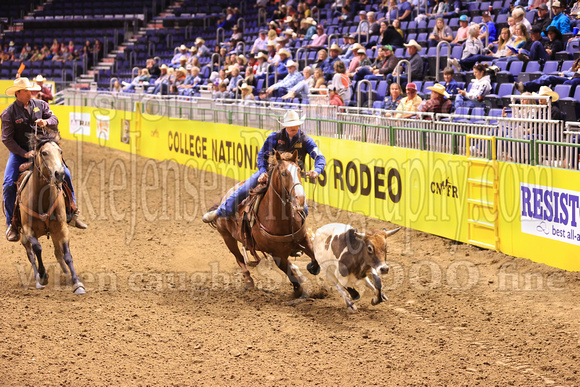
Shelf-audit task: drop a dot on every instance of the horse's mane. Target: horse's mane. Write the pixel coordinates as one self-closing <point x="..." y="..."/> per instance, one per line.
<point x="44" y="137"/>
<point x="273" y="161"/>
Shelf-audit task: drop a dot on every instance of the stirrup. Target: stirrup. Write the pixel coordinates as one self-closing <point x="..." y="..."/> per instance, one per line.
<point x="210" y="216"/>
<point x="12" y="234"/>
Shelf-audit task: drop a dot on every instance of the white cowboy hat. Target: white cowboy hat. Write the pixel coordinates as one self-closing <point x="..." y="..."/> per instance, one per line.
<point x="291" y="63"/>
<point x="163" y="66"/>
<point x="544" y="91"/>
<point x="199" y="40"/>
<point x="291" y="118"/>
<point x="413" y="43"/>
<point x="246" y="86"/>
<point x="335" y="47"/>
<point x="285" y="52"/>
<point x="182" y="70"/>
<point x="243" y="58"/>
<point x="39" y="78"/>
<point x="439" y="88"/>
<point x="288" y="31"/>
<point x="310" y="21"/>
<point x="261" y="55"/>
<point x="21" y="84"/>
<point x="183" y="47"/>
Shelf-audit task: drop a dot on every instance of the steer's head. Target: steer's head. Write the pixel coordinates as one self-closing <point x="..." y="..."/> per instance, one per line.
<point x="375" y="248"/>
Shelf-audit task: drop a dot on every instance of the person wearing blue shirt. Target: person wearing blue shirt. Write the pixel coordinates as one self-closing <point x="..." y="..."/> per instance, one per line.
<point x="328" y="64"/>
<point x="281" y="70"/>
<point x="289" y="139"/>
<point x="560" y="20"/>
<point x="405" y="11"/>
<point x="489" y="26"/>
<point x="282" y="87"/>
<point x="451" y="85"/>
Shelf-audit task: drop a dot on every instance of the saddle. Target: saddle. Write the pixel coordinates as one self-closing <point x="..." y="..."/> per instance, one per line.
<point x="247" y="211"/>
<point x="23" y="178"/>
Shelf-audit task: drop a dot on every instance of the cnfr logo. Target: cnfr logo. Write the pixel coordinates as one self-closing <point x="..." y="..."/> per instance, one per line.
<point x="445" y="188"/>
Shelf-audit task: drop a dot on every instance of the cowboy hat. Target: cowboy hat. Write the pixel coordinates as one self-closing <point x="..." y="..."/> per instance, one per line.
<point x="21" y="84"/>
<point x="544" y="91"/>
<point x="556" y="4"/>
<point x="231" y="68"/>
<point x="291" y="63"/>
<point x="246" y="86"/>
<point x="291" y="118"/>
<point x="271" y="43"/>
<point x="39" y="78"/>
<point x="182" y="47"/>
<point x="163" y="66"/>
<point x="288" y="19"/>
<point x="182" y="70"/>
<point x="182" y="57"/>
<point x="361" y="51"/>
<point x="261" y="55"/>
<point x="199" y="40"/>
<point x="413" y="43"/>
<point x="335" y="47"/>
<point x="310" y="21"/>
<point x="356" y="47"/>
<point x="288" y="31"/>
<point x="281" y="39"/>
<point x="193" y="49"/>
<point x="243" y="58"/>
<point x="285" y="52"/>
<point x="439" y="88"/>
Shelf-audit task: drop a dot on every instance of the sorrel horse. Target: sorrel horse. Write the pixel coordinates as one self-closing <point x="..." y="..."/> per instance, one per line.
<point x="279" y="226"/>
<point x="42" y="211"/>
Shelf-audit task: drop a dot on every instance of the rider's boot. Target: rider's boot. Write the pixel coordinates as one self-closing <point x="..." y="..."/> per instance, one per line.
<point x="12" y="234"/>
<point x="76" y="222"/>
<point x="210" y="216"/>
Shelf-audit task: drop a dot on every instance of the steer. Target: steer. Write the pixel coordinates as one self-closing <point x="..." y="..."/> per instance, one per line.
<point x="348" y="257"/>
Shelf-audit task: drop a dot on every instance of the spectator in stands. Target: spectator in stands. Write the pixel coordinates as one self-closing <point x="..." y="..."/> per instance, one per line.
<point x="24" y="53"/>
<point x="405" y="11"/>
<point x="462" y="34"/>
<point x="395" y="96"/>
<point x="55" y="48"/>
<point x="143" y="77"/>
<point x="193" y="62"/>
<point x="242" y="62"/>
<point x="384" y="64"/>
<point x="44" y="93"/>
<point x="570" y="77"/>
<point x="98" y="49"/>
<point x="480" y="88"/>
<point x="451" y="85"/>
<point x="335" y="98"/>
<point x="271" y="47"/>
<point x="346" y="47"/>
<point x="280" y="70"/>
<point x="439" y="101"/>
<point x="390" y="36"/>
<point x="179" y="81"/>
<point x="182" y="51"/>
<point x="222" y="91"/>
<point x="363" y="63"/>
<point x="152" y="67"/>
<point x="397" y="24"/>
<point x="236" y="37"/>
<point x="71" y="46"/>
<point x="489" y="27"/>
<point x="375" y="26"/>
<point x="545" y="91"/>
<point x="441" y="32"/>
<point x="116" y="87"/>
<point x="202" y="50"/>
<point x="502" y="43"/>
<point x="328" y="64"/>
<point x="362" y="28"/>
<point x="543" y="51"/>
<point x="560" y="20"/>
<point x="472" y="47"/>
<point x="542" y="17"/>
<point x="247" y="96"/>
<point x="162" y="80"/>
<point x="260" y="42"/>
<point x="45" y="53"/>
<point x="249" y="77"/>
<point x="519" y="16"/>
<point x="417" y="64"/>
<point x="346" y="17"/>
<point x="221" y="78"/>
<point x="521" y="40"/>
<point x="574" y="11"/>
<point x="262" y="65"/>
<point x="235" y="79"/>
<point x="410" y="103"/>
<point x="35" y="54"/>
<point x="320" y="40"/>
<point x="311" y="30"/>
<point x="341" y="82"/>
<point x="302" y="88"/>
<point x="282" y="87"/>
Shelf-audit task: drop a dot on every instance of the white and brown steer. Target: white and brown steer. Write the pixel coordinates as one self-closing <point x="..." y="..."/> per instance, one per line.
<point x="348" y="257"/>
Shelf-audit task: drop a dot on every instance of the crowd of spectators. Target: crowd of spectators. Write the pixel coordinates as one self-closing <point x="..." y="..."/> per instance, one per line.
<point x="57" y="51"/>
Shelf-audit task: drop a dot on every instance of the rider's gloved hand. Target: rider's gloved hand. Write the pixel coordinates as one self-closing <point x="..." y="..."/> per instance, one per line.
<point x="312" y="174"/>
<point x="263" y="178"/>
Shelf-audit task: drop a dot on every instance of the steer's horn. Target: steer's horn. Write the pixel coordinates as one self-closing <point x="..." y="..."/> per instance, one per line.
<point x="360" y="235"/>
<point x="388" y="233"/>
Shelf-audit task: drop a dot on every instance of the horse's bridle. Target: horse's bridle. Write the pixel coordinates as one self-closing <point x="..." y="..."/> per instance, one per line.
<point x="288" y="192"/>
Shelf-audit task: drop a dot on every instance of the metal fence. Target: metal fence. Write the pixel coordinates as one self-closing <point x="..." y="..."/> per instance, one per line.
<point x="520" y="139"/>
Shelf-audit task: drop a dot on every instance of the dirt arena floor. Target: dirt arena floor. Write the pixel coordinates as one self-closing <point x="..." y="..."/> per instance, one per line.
<point x="165" y="303"/>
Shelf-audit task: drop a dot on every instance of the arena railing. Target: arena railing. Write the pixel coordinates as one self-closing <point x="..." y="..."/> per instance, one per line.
<point x="544" y="142"/>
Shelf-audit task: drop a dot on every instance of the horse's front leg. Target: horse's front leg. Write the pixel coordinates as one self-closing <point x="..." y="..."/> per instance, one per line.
<point x="34" y="252"/>
<point x="78" y="287"/>
<point x="313" y="267"/>
<point x="293" y="274"/>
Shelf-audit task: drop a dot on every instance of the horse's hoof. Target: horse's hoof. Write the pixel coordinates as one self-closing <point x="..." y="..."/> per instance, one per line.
<point x="313" y="269"/>
<point x="44" y="280"/>
<point x="39" y="286"/>
<point x="298" y="291"/>
<point x="79" y="288"/>
<point x="249" y="284"/>
<point x="351" y="309"/>
<point x="354" y="294"/>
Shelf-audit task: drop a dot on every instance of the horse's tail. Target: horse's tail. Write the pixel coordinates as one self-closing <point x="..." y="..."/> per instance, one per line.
<point x="213" y="208"/>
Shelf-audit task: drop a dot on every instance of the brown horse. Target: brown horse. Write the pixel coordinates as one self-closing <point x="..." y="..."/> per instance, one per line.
<point x="42" y="211"/>
<point x="279" y="227"/>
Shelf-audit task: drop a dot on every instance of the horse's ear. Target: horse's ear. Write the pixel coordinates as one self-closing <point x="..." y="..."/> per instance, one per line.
<point x="277" y="154"/>
<point x="294" y="156"/>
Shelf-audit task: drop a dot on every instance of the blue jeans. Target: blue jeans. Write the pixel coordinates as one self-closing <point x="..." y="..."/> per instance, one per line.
<point x="468" y="63"/>
<point x="537" y="52"/>
<point x="544" y="80"/>
<point x="230" y="205"/>
<point x="11" y="177"/>
<point x="462" y="101"/>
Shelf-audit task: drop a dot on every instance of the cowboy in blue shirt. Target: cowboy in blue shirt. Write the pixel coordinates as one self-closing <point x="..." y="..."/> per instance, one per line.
<point x="19" y="121"/>
<point x="289" y="139"/>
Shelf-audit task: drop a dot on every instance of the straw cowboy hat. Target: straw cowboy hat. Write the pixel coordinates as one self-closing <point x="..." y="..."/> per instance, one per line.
<point x="288" y="31"/>
<point x="271" y="43"/>
<point x="181" y="70"/>
<point x="21" y="84"/>
<point x="199" y="40"/>
<point x="243" y="58"/>
<point x="285" y="52"/>
<point x="361" y="51"/>
<point x="439" y="88"/>
<point x="245" y="86"/>
<point x="261" y="55"/>
<point x="310" y="21"/>
<point x="335" y="47"/>
<point x="544" y="91"/>
<point x="291" y="118"/>
<point x="413" y="43"/>
<point x="163" y="66"/>
<point x="291" y="63"/>
<point x="182" y="47"/>
<point x="39" y="78"/>
<point x="357" y="46"/>
<point x="231" y="68"/>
